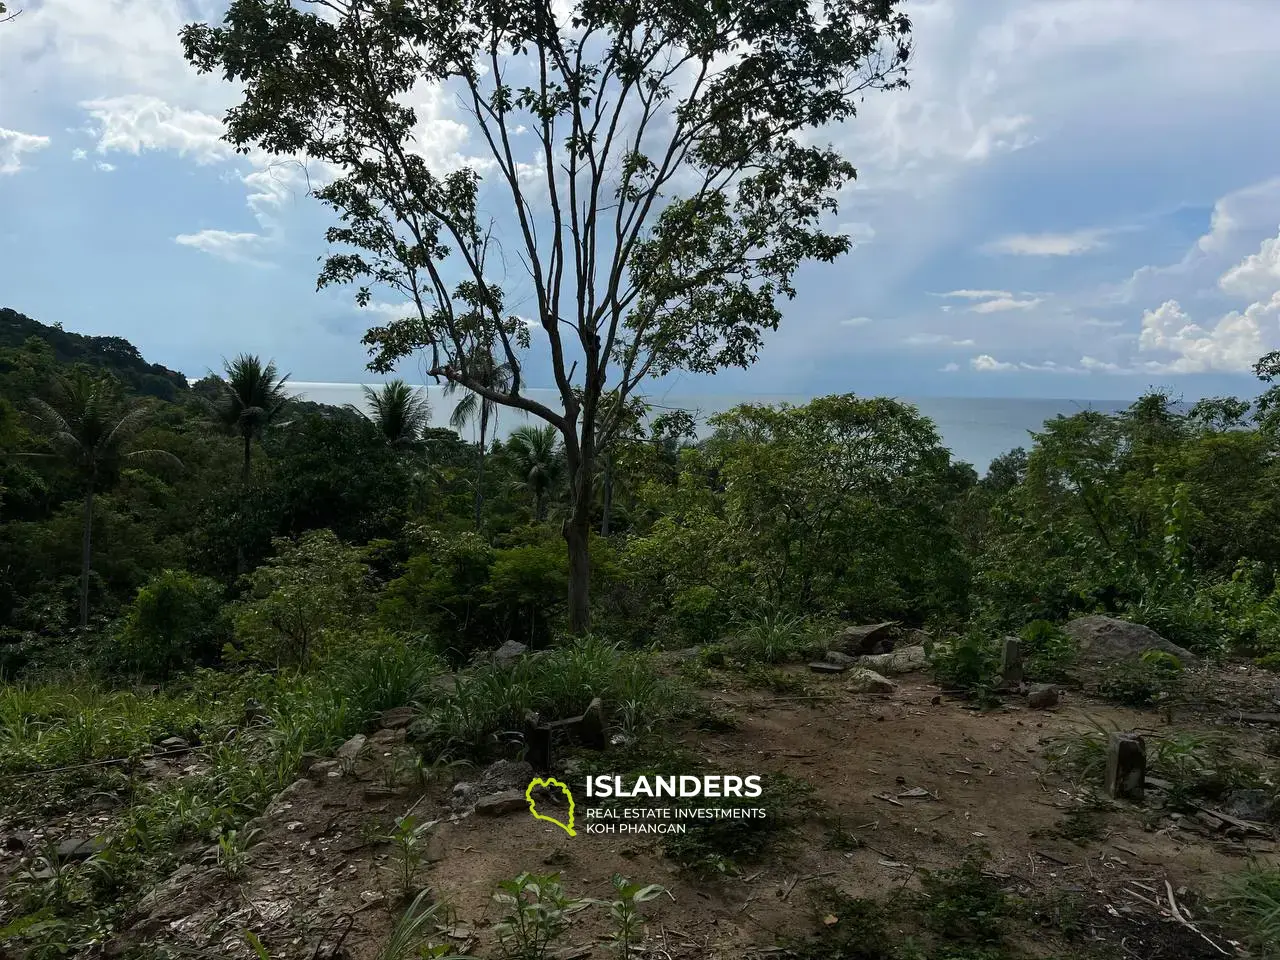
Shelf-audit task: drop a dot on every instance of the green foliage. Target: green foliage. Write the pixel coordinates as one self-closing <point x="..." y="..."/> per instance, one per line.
<point x="964" y="904"/>
<point x="1142" y="683"/>
<point x="301" y="600"/>
<point x="773" y="638"/>
<point x="536" y="913"/>
<point x="969" y="663"/>
<point x="176" y="620"/>
<point x="1048" y="653"/>
<point x="624" y="913"/>
<point x="1252" y="904"/>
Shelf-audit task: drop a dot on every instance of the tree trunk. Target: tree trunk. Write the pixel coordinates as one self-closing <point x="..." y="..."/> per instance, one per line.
<point x="577" y="534"/>
<point x="480" y="473"/>
<point x="86" y="554"/>
<point x="606" y="507"/>
<point x="242" y="562"/>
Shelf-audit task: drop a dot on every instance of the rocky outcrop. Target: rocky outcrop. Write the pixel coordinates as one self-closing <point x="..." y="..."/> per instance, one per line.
<point x="1108" y="639"/>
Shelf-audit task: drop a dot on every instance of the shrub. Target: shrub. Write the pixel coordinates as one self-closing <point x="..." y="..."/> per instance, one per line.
<point x="1048" y="652"/>
<point x="699" y="614"/>
<point x="968" y="662"/>
<point x="1252" y="903"/>
<point x="1142" y="683"/>
<point x="176" y="619"/>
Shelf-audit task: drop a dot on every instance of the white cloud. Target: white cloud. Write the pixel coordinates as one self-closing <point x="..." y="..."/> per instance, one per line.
<point x="13" y="144"/>
<point x="859" y="232"/>
<point x="949" y="368"/>
<point x="1258" y="274"/>
<point x="975" y="294"/>
<point x="935" y="340"/>
<point x="137" y="123"/>
<point x="1231" y="345"/>
<point x="1092" y="364"/>
<point x="985" y="363"/>
<point x="78" y="154"/>
<point x="235" y="247"/>
<point x="105" y="167"/>
<point x="1001" y="304"/>
<point x="855" y="322"/>
<point x="1048" y="244"/>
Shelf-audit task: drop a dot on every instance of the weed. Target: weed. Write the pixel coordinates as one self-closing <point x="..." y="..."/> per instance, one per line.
<point x="964" y="903"/>
<point x="838" y="838"/>
<point x="537" y="912"/>
<point x="1252" y="904"/>
<point x="624" y="913"/>
<point x="775" y="680"/>
<point x="1048" y="652"/>
<point x="773" y="638"/>
<point x="408" y="842"/>
<point x="233" y="851"/>
<point x="848" y="928"/>
<point x="968" y="663"/>
<point x="1142" y="683"/>
<point x="1081" y="824"/>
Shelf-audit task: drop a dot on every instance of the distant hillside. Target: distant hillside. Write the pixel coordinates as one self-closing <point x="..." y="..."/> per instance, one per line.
<point x="114" y="354"/>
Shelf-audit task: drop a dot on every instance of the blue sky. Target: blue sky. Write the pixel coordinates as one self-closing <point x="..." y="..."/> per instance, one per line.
<point x="1076" y="198"/>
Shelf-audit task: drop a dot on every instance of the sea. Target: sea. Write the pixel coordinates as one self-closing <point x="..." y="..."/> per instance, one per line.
<point x="975" y="429"/>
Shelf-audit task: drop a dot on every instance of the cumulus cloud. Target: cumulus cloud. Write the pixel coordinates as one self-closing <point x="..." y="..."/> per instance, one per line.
<point x="1258" y="274"/>
<point x="985" y="363"/>
<point x="137" y="123"/>
<point x="1048" y="244"/>
<point x="935" y="340"/>
<point x="1001" y="304"/>
<point x="949" y="367"/>
<point x="1230" y="345"/>
<point x="225" y="245"/>
<point x="855" y="321"/>
<point x="13" y="144"/>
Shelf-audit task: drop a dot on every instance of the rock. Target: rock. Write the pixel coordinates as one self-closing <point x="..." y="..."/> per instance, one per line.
<point x="254" y="712"/>
<point x="592" y="730"/>
<point x="1253" y="804"/>
<point x="18" y="841"/>
<point x="1042" y="696"/>
<point x="462" y="788"/>
<point x="352" y="748"/>
<point x="901" y="660"/>
<point x="1011" y="663"/>
<point x="840" y="659"/>
<point x="1126" y="766"/>
<point x="863" y="639"/>
<point x="505" y="775"/>
<point x="499" y="804"/>
<point x="386" y="737"/>
<point x="511" y="650"/>
<point x="322" y="770"/>
<point x="826" y="666"/>
<point x="397" y="718"/>
<point x="173" y="744"/>
<point x="1109" y="639"/>
<point x="377" y="791"/>
<point x="862" y="680"/>
<point x="76" y="850"/>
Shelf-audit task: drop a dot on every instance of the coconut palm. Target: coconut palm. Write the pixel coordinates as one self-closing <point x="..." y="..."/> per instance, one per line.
<point x="253" y="398"/>
<point x="538" y="463"/>
<point x="90" y="426"/>
<point x="398" y="411"/>
<point x="495" y="375"/>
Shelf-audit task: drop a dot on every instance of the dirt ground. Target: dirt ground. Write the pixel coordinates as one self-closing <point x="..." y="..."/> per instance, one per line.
<point x="319" y="882"/>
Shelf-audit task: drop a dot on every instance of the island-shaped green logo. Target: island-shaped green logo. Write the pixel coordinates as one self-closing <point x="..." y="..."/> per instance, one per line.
<point x="549" y="783"/>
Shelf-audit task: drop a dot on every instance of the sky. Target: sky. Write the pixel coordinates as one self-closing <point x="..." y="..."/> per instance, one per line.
<point x="1075" y="198"/>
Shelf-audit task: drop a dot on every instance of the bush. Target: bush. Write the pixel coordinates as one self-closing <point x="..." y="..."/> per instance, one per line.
<point x="1142" y="683"/>
<point x="699" y="614"/>
<point x="969" y="662"/>
<point x="1048" y="652"/>
<point x="177" y="619"/>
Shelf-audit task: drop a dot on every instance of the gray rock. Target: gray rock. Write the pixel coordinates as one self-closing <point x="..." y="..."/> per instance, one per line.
<point x="352" y="748"/>
<point x="1109" y="639"/>
<point x="1126" y="766"/>
<point x="173" y="744"/>
<point x="861" y="680"/>
<point x="397" y="718"/>
<point x="500" y="804"/>
<point x="511" y="650"/>
<point x="75" y="850"/>
<point x="826" y="666"/>
<point x="322" y="770"/>
<point x="1042" y="696"/>
<point x="1253" y="804"/>
<point x="901" y="660"/>
<point x="462" y="788"/>
<point x="863" y="638"/>
<point x="386" y="736"/>
<point x="840" y="659"/>
<point x="505" y="775"/>
<point x="1011" y="663"/>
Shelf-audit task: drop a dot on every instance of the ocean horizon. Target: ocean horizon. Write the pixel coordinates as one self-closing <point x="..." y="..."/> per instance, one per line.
<point x="975" y="429"/>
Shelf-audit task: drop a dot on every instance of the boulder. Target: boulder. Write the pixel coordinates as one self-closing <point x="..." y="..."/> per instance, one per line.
<point x="511" y="650"/>
<point x="397" y="718"/>
<point x="901" y="660"/>
<point x="1042" y="696"/>
<point x="322" y="770"/>
<point x="864" y="638"/>
<point x="499" y="804"/>
<point x="868" y="681"/>
<point x="74" y="850"/>
<point x="352" y="748"/>
<point x="840" y="659"/>
<point x="1252" y="804"/>
<point x="1108" y="639"/>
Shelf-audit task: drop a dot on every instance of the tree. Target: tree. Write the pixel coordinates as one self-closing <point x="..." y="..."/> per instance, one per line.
<point x="253" y="397"/>
<point x="91" y="427"/>
<point x="538" y="463"/>
<point x="675" y="185"/>
<point x="400" y="413"/>
<point x="495" y="375"/>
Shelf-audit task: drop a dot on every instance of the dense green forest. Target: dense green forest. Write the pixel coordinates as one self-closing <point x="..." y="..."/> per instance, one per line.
<point x="147" y="529"/>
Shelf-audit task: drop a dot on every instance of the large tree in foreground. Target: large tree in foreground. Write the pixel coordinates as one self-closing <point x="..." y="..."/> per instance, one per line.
<point x="662" y="159"/>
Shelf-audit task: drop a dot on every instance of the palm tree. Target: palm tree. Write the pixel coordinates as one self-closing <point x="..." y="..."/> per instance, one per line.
<point x="90" y="425"/>
<point x="399" y="412"/>
<point x="485" y="368"/>
<point x="253" y="396"/>
<point x="538" y="463"/>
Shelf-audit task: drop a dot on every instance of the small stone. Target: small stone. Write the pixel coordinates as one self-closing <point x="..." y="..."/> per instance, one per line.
<point x="173" y="744"/>
<point x="75" y="850"/>
<point x="499" y="804"/>
<point x="461" y="788"/>
<point x="591" y="728"/>
<point x="1042" y="696"/>
<point x="823" y="666"/>
<point x="397" y="718"/>
<point x="511" y="650"/>
<point x="321" y="770"/>
<point x="352" y="748"/>
<point x="868" y="681"/>
<point x="378" y="791"/>
<point x="1126" y="766"/>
